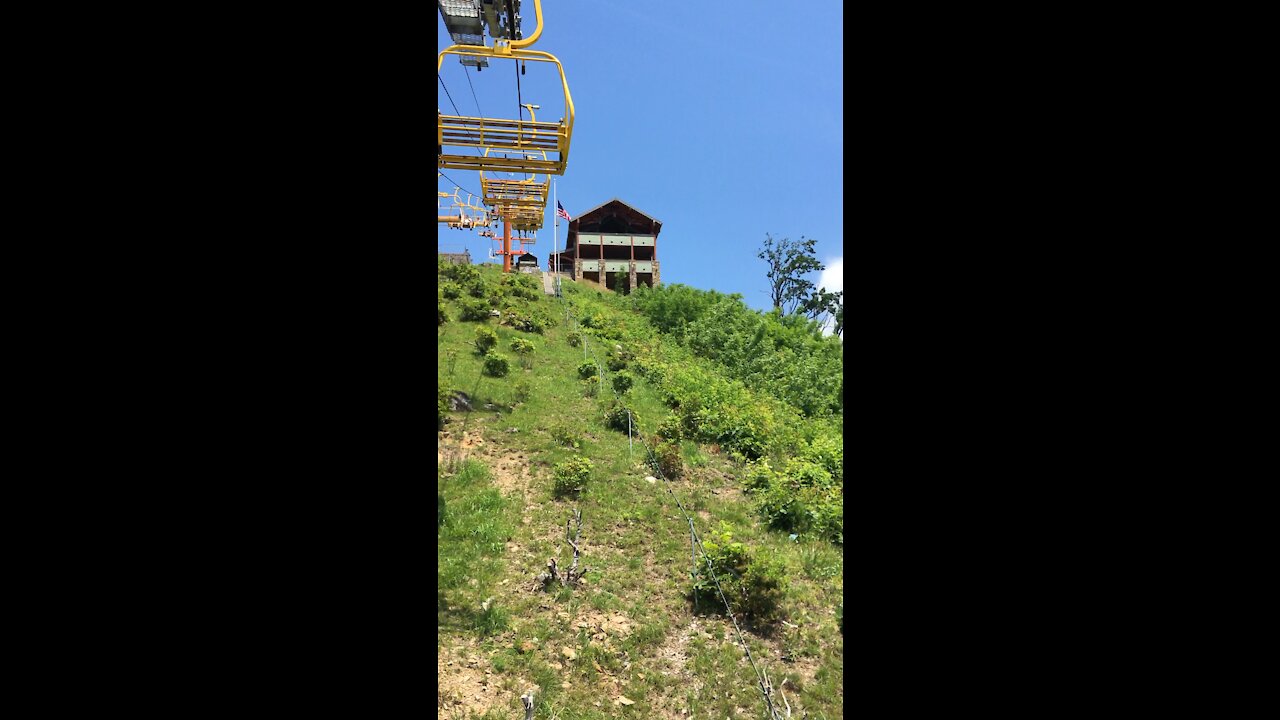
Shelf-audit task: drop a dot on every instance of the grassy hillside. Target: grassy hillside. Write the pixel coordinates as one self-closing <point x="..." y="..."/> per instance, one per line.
<point x="760" y="477"/>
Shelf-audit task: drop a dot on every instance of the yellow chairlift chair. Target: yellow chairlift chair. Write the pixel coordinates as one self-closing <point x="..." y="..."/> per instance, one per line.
<point x="513" y="141"/>
<point x="468" y="213"/>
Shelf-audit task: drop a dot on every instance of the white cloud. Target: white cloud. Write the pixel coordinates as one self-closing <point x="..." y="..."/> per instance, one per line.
<point x="832" y="279"/>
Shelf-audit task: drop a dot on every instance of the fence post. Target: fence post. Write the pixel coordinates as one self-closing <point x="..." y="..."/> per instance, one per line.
<point x="693" y="561"/>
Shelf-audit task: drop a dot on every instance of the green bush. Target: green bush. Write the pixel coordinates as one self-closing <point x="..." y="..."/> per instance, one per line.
<point x="669" y="428"/>
<point x="759" y="476"/>
<point x="474" y="310"/>
<point x="496" y="365"/>
<point x="519" y="285"/>
<point x="622" y="382"/>
<point x="616" y="417"/>
<point x="486" y="339"/>
<point x="575" y="338"/>
<point x="753" y="587"/>
<point x="443" y="316"/>
<point x="522" y="391"/>
<point x="442" y="407"/>
<point x="650" y="370"/>
<point x="670" y="463"/>
<point x="801" y="498"/>
<point x="459" y="273"/>
<point x="615" y="363"/>
<point x="592" y="388"/>
<point x="565" y="435"/>
<point x="521" y="346"/>
<point x="450" y="290"/>
<point x="571" y="476"/>
<point x="534" y="323"/>
<point x="587" y="369"/>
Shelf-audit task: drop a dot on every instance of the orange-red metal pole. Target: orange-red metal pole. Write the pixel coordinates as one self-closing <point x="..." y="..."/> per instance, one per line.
<point x="506" y="245"/>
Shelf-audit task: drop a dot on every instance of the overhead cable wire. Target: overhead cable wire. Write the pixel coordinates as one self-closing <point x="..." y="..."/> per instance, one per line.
<point x="450" y="95"/>
<point x="446" y="177"/>
<point x="511" y="20"/>
<point x="455" y="105"/>
<point x="473" y="91"/>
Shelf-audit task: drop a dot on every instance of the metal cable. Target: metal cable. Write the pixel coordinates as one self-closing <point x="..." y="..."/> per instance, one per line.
<point x="449" y="95"/>
<point x="446" y="177"/>
<point x="511" y="18"/>
<point x="473" y="91"/>
<point x="456" y="111"/>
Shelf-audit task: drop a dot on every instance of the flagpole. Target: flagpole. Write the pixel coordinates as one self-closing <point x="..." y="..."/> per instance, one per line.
<point x="556" y="241"/>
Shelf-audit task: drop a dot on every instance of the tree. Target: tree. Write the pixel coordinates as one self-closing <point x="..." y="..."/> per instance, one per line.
<point x="822" y="304"/>
<point x="789" y="262"/>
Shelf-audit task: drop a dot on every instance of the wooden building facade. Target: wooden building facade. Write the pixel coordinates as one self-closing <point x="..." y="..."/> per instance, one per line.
<point x="608" y="239"/>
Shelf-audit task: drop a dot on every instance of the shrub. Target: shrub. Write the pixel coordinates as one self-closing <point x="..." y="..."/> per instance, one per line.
<point x="651" y="370"/>
<point x="522" y="391"/>
<point x="474" y="310"/>
<point x="801" y="498"/>
<point x="486" y="339"/>
<point x="669" y="429"/>
<point x="475" y="288"/>
<point x="565" y="435"/>
<point x="571" y="476"/>
<point x="534" y="323"/>
<point x="759" y="475"/>
<point x="615" y="363"/>
<point x="521" y="286"/>
<point x="669" y="461"/>
<point x="754" y="587"/>
<point x="616" y="417"/>
<point x="442" y="407"/>
<point x="622" y="382"/>
<point x="450" y="290"/>
<point x="592" y="386"/>
<point x="587" y="369"/>
<point x="575" y="338"/>
<point x="496" y="365"/>
<point x="521" y="346"/>
<point x="443" y="316"/>
<point x="826" y="450"/>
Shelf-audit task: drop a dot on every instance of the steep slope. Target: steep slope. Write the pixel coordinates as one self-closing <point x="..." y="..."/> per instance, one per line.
<point x="627" y="642"/>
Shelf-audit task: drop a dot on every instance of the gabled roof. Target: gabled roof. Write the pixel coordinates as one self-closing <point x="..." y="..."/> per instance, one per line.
<point x="621" y="202"/>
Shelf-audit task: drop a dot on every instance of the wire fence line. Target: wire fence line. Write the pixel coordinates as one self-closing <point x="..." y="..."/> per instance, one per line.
<point x="762" y="677"/>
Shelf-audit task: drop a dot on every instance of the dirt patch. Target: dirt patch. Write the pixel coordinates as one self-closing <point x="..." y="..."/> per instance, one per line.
<point x="510" y="471"/>
<point x="467" y="685"/>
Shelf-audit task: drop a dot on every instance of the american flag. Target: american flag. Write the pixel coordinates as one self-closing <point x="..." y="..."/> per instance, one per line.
<point x="560" y="211"/>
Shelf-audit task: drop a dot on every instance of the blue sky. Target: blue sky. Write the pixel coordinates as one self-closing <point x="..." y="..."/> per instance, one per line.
<point x="723" y="122"/>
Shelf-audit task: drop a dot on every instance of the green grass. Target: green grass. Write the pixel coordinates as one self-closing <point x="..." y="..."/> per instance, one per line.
<point x="634" y="538"/>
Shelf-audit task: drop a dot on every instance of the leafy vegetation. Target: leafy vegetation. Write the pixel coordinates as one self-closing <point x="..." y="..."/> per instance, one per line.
<point x="571" y="476"/>
<point x="622" y="382"/>
<point x="789" y="261"/>
<point x="754" y="586"/>
<point x="496" y="365"/>
<point x="669" y="460"/>
<point x="485" y="339"/>
<point x="714" y="426"/>
<point x="474" y="310"/>
<point x="620" y="417"/>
